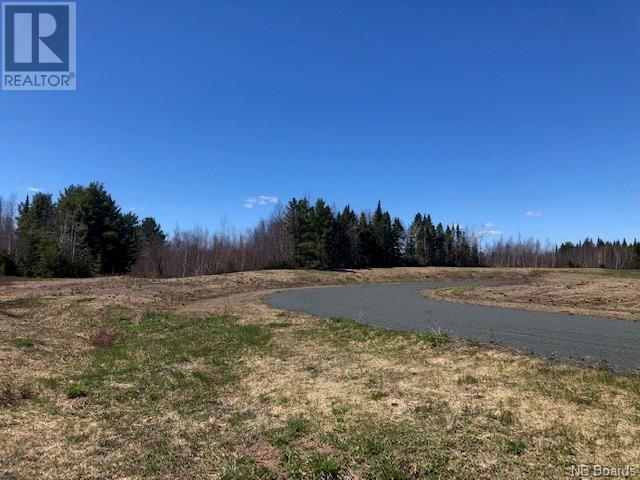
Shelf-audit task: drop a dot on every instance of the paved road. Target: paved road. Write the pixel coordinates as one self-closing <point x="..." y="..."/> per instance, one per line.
<point x="562" y="337"/>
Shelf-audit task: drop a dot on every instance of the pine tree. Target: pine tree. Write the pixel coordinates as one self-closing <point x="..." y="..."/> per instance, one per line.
<point x="635" y="255"/>
<point x="412" y="239"/>
<point x="37" y="247"/>
<point x="322" y="226"/>
<point x="109" y="235"/>
<point x="343" y="239"/>
<point x="366" y="242"/>
<point x="297" y="220"/>
<point x="439" y="246"/>
<point x="398" y="240"/>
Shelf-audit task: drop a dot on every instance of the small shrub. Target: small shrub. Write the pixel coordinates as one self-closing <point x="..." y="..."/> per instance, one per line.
<point x="103" y="338"/>
<point x="77" y="391"/>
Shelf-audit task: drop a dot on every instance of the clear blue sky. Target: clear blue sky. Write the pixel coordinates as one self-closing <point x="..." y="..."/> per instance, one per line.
<point x="476" y="112"/>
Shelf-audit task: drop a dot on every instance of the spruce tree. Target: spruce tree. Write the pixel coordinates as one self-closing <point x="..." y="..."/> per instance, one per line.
<point x="635" y="255"/>
<point x="37" y="246"/>
<point x="366" y="243"/>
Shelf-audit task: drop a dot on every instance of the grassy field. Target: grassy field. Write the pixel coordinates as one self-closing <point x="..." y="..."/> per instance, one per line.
<point x="596" y="292"/>
<point x="198" y="378"/>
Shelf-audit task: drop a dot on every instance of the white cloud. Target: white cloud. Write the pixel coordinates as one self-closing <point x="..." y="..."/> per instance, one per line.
<point x="488" y="225"/>
<point x="260" y="200"/>
<point x="487" y="232"/>
<point x="34" y="189"/>
<point x="533" y="213"/>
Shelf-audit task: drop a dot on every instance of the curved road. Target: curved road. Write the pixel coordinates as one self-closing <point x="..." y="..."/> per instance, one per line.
<point x="398" y="306"/>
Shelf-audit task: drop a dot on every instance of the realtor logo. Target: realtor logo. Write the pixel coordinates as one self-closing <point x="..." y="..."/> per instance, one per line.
<point x="39" y="46"/>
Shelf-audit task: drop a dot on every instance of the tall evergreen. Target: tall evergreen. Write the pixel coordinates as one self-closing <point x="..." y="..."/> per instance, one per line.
<point x="83" y="233"/>
<point x="343" y="239"/>
<point x="635" y="254"/>
<point x="37" y="249"/>
<point x="365" y="242"/>
<point x="109" y="235"/>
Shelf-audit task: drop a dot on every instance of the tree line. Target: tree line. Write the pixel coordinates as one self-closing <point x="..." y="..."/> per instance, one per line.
<point x="585" y="254"/>
<point x="83" y="232"/>
<point x="322" y="238"/>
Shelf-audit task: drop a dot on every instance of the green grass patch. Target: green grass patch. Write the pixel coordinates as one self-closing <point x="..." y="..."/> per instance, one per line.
<point x="325" y="467"/>
<point x="515" y="447"/>
<point x="295" y="428"/>
<point x="385" y="469"/>
<point x="371" y="447"/>
<point x="378" y="395"/>
<point x="238" y="418"/>
<point x="180" y="361"/>
<point x="434" y="338"/>
<point x="77" y="391"/>
<point x="245" y="468"/>
<point x="280" y="324"/>
<point x="23" y="342"/>
<point x="344" y="332"/>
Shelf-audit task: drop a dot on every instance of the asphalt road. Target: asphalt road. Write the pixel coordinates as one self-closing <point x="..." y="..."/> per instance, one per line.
<point x="575" y="338"/>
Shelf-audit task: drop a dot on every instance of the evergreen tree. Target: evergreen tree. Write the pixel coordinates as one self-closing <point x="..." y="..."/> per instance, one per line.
<point x="322" y="227"/>
<point x="412" y="240"/>
<point x="343" y="239"/>
<point x="635" y="254"/>
<point x="366" y="242"/>
<point x="37" y="248"/>
<point x="397" y="242"/>
<point x="439" y="246"/>
<point x="109" y="236"/>
<point x="303" y="227"/>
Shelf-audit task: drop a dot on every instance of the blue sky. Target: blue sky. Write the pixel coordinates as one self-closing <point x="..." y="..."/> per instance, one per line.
<point x="477" y="112"/>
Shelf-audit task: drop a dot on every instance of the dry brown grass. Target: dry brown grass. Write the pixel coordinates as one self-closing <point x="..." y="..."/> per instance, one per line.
<point x="303" y="393"/>
<point x="577" y="292"/>
<point x="11" y="395"/>
<point x="103" y="338"/>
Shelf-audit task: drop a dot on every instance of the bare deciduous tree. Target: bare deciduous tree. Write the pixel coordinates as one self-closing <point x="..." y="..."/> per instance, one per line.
<point x="7" y="224"/>
<point x="586" y="254"/>
<point x="198" y="252"/>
